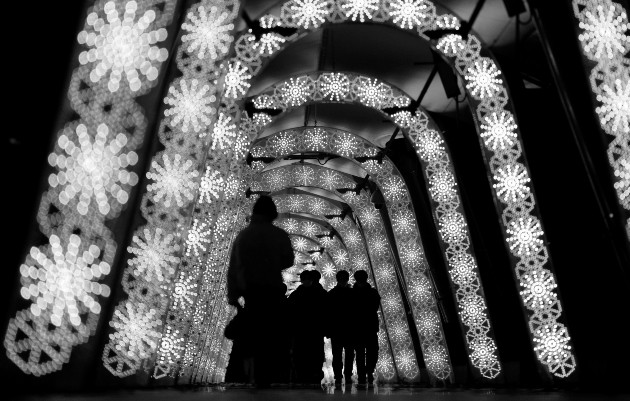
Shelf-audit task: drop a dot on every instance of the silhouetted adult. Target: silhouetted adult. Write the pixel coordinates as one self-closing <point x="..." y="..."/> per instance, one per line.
<point x="259" y="254"/>
<point x="340" y="327"/>
<point x="365" y="303"/>
<point x="307" y="305"/>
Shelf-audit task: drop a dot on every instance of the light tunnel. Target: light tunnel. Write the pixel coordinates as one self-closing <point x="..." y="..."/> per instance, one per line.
<point x="390" y="140"/>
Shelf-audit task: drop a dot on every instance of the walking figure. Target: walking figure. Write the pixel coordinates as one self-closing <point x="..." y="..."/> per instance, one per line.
<point x="365" y="303"/>
<point x="340" y="329"/>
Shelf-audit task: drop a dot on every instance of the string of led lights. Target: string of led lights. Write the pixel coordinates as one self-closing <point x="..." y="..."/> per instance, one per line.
<point x="498" y="132"/>
<point x="155" y="277"/>
<point x="92" y="179"/>
<point x="603" y="32"/>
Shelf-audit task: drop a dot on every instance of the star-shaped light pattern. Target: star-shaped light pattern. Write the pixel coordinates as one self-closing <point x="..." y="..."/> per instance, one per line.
<point x="402" y="118"/>
<point x="483" y="352"/>
<point x="309" y="12"/>
<point x="171" y="346"/>
<point x="317" y="206"/>
<point x="197" y="237"/>
<point x="340" y="257"/>
<point x="406" y="359"/>
<point x="472" y="310"/>
<point x="154" y="255"/>
<point x="295" y="203"/>
<point x="232" y="186"/>
<point x="428" y="323"/>
<point x="236" y="80"/>
<point x="605" y="31"/>
<point x="328" y="270"/>
<point x="352" y="238"/>
<point x="300" y="244"/>
<point x="309" y="228"/>
<point x="512" y="182"/>
<point x="224" y="132"/>
<point x="304" y="175"/>
<point x="429" y="145"/>
<point x="408" y="13"/>
<point x="330" y="179"/>
<point x="391" y="303"/>
<point x="481" y="78"/>
<point x="283" y="143"/>
<point x="210" y="186"/>
<point x="524" y="233"/>
<point x="174" y="181"/>
<point x="295" y="92"/>
<point x="291" y="225"/>
<point x="263" y="102"/>
<point x="316" y="139"/>
<point x="539" y="289"/>
<point x="394" y="188"/>
<point x="261" y="119"/>
<point x="191" y="105"/>
<point x="137" y="330"/>
<point x="359" y="262"/>
<point x="552" y="343"/>
<point x="360" y="9"/>
<point x="66" y="284"/>
<point x="420" y="290"/>
<point x="462" y="269"/>
<point x="269" y="43"/>
<point x="498" y="130"/>
<point x="411" y="254"/>
<point x="184" y="291"/>
<point x="334" y="86"/>
<point x="346" y="144"/>
<point x="452" y="227"/>
<point x="451" y="44"/>
<point x="208" y="31"/>
<point x="371" y="93"/>
<point x="614" y="112"/>
<point x="122" y="46"/>
<point x="403" y="222"/>
<point x="436" y="358"/>
<point x="275" y="179"/>
<point x="222" y="225"/>
<point x="370" y="217"/>
<point x="94" y="169"/>
<point x="442" y="186"/>
<point x="398" y="331"/>
<point x="378" y="244"/>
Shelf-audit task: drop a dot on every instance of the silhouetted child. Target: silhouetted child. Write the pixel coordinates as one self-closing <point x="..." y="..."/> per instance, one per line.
<point x="340" y="327"/>
<point x="307" y="304"/>
<point x="365" y="303"/>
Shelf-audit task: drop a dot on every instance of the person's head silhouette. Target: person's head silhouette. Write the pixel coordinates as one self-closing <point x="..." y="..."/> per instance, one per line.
<point x="265" y="208"/>
<point x="360" y="276"/>
<point x="342" y="277"/>
<point x="316" y="276"/>
<point x="306" y="278"/>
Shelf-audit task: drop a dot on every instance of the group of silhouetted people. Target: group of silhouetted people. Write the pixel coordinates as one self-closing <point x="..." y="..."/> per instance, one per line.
<point x="280" y="340"/>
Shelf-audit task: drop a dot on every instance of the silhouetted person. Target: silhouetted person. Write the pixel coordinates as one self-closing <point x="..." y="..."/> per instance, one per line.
<point x="340" y="327"/>
<point x="365" y="303"/>
<point x="259" y="253"/>
<point x="307" y="305"/>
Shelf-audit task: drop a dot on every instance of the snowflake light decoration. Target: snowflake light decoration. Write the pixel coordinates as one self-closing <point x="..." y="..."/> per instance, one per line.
<point x="436" y="358"/>
<point x="605" y="29"/>
<point x="406" y="359"/>
<point x="66" y="284"/>
<point x="552" y="343"/>
<point x="283" y="143"/>
<point x="330" y="179"/>
<point x="315" y="139"/>
<point x="174" y="181"/>
<point x="402" y="118"/>
<point x="379" y="245"/>
<point x="269" y="43"/>
<point x="442" y="186"/>
<point x="451" y="44"/>
<point x="411" y="254"/>
<point x="304" y="175"/>
<point x="291" y="225"/>
<point x="210" y="186"/>
<point x="207" y="31"/>
<point x="370" y="216"/>
<point x="393" y="188"/>
<point x="391" y="303"/>
<point x="334" y="86"/>
<point x="398" y="331"/>
<point x="473" y="310"/>
<point x="236" y="80"/>
<point x="171" y="346"/>
<point x="359" y="262"/>
<point x="328" y="270"/>
<point x="429" y="145"/>
<point x="295" y="203"/>
<point x="317" y="206"/>
<point x="371" y="93"/>
<point x="539" y="289"/>
<point x="184" y="291"/>
<point x="483" y="353"/>
<point x="309" y="228"/>
<point x="340" y="257"/>
<point x="352" y="238"/>
<point x="498" y="130"/>
<point x="462" y="269"/>
<point x="191" y="105"/>
<point x="263" y="102"/>
<point x="154" y="255"/>
<point x="223" y="133"/>
<point x="93" y="170"/>
<point x="403" y="222"/>
<point x="346" y="144"/>
<point x="524" y="233"/>
<point x="137" y="330"/>
<point x="309" y="12"/>
<point x="409" y="13"/>
<point x="512" y="182"/>
<point x="300" y="244"/>
<point x="261" y="119"/>
<point x="452" y="227"/>
<point x="360" y="9"/>
<point x="481" y="78"/>
<point x="275" y="179"/>
<point x="295" y="92"/>
<point x="122" y="46"/>
<point x="198" y="235"/>
<point x="614" y="113"/>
